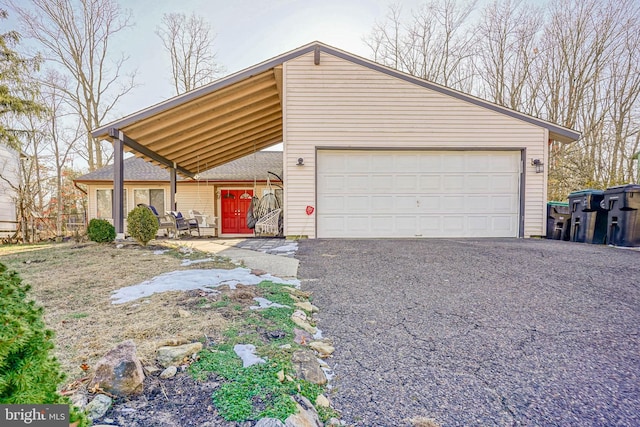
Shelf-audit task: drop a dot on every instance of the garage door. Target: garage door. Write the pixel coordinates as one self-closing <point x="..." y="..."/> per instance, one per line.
<point x="418" y="193"/>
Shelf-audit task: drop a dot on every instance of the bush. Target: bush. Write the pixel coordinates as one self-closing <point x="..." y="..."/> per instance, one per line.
<point x="101" y="231"/>
<point x="28" y="373"/>
<point x="142" y="224"/>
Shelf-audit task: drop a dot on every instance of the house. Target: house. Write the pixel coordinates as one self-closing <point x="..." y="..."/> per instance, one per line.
<point x="222" y="194"/>
<point x="9" y="181"/>
<point x="368" y="151"/>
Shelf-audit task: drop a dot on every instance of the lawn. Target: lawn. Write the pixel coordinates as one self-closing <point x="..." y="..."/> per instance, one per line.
<point x="73" y="282"/>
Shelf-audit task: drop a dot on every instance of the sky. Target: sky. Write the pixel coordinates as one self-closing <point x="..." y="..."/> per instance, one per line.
<point x="248" y="32"/>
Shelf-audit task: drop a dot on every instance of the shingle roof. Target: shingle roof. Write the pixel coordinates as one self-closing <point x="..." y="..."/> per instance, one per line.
<point x="254" y="166"/>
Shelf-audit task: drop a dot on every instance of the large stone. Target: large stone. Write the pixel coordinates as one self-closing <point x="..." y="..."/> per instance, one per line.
<point x="269" y="422"/>
<point x="307" y="306"/>
<point x="323" y="349"/>
<point x="174" y="355"/>
<point x="98" y="406"/>
<point x="299" y="317"/>
<point x="307" y="367"/>
<point x="322" y="401"/>
<point x="306" y="415"/>
<point x="119" y="372"/>
<point x="170" y="372"/>
<point x="302" y="337"/>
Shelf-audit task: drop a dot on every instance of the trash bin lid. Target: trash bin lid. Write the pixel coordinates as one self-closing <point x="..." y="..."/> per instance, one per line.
<point x="586" y="192"/>
<point x="565" y="204"/>
<point x="627" y="188"/>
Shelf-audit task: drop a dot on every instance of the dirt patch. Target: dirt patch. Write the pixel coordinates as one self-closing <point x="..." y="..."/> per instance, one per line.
<point x="179" y="401"/>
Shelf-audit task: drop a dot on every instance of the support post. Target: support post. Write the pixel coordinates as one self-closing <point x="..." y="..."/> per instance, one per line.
<point x="118" y="185"/>
<point x="174" y="186"/>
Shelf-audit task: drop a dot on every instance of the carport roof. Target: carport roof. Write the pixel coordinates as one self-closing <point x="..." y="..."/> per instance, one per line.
<point x="242" y="113"/>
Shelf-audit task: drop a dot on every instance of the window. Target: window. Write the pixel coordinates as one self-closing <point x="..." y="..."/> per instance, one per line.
<point x="153" y="197"/>
<point x="105" y="203"/>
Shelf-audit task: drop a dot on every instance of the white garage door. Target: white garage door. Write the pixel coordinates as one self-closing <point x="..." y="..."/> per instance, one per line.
<point x="418" y="193"/>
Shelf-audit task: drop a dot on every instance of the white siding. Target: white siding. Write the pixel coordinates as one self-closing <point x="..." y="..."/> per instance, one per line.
<point x="10" y="170"/>
<point x="339" y="104"/>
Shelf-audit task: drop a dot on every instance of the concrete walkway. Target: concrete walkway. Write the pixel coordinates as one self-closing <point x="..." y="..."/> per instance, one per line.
<point x="261" y="254"/>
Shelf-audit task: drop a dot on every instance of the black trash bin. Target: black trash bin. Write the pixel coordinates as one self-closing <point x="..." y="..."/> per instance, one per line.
<point x="588" y="218"/>
<point x="558" y="220"/>
<point x="623" y="219"/>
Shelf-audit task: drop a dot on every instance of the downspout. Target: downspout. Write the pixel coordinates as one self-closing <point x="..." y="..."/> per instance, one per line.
<point x="637" y="157"/>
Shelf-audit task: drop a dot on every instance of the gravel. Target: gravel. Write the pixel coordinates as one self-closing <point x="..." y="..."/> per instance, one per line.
<point x="479" y="332"/>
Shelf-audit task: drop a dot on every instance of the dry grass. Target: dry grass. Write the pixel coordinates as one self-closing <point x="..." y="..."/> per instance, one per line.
<point x="74" y="282"/>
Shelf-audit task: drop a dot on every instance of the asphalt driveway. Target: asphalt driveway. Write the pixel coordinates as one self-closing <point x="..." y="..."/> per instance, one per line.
<point x="479" y="332"/>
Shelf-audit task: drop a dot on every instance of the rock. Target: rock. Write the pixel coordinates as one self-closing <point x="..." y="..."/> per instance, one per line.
<point x="269" y="422"/>
<point x="306" y="416"/>
<point x="119" y="372"/>
<point x="334" y="422"/>
<point x="281" y="375"/>
<point x="150" y="369"/>
<point x="258" y="272"/>
<point x="299" y="314"/>
<point x="307" y="306"/>
<point x="183" y="313"/>
<point x="324" y="349"/>
<point x="302" y="337"/>
<point x="299" y="317"/>
<point x="171" y="371"/>
<point x="307" y="367"/>
<point x="98" y="406"/>
<point x="322" y="401"/>
<point x="172" y="355"/>
<point x="297" y="292"/>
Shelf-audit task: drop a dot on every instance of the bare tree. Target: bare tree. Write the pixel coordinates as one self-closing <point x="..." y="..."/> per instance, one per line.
<point x="76" y="36"/>
<point x="62" y="138"/>
<point x="507" y="37"/>
<point x="434" y="45"/>
<point x="590" y="82"/>
<point x="189" y="42"/>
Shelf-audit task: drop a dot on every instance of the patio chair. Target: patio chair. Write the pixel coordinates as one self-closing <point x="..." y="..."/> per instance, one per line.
<point x="184" y="224"/>
<point x="269" y="223"/>
<point x="165" y="222"/>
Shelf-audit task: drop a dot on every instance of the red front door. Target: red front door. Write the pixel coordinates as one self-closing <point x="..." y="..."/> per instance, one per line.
<point x="235" y="205"/>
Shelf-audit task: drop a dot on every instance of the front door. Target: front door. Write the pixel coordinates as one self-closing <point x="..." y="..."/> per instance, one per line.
<point x="234" y="206"/>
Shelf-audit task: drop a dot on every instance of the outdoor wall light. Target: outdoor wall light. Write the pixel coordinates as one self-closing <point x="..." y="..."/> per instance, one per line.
<point x="300" y="161"/>
<point x="538" y="164"/>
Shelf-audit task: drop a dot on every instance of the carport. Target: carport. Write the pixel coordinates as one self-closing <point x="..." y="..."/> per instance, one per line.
<point x="330" y="107"/>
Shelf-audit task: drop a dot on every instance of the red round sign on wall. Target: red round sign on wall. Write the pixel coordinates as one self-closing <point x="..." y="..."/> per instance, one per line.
<point x="310" y="210"/>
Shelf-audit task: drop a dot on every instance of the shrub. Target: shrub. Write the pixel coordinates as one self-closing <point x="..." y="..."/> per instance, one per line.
<point x="28" y="373"/>
<point x="101" y="231"/>
<point x="142" y="224"/>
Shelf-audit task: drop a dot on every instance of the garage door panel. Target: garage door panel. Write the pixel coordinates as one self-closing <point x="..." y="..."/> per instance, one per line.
<point x="502" y="183"/>
<point x="381" y="183"/>
<point x="406" y="183"/>
<point x="358" y="204"/>
<point x="453" y="183"/>
<point x="453" y="163"/>
<point x="429" y="183"/>
<point x="407" y="194"/>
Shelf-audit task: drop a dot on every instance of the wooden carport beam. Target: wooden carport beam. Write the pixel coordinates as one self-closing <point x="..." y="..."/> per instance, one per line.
<point x="135" y="146"/>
